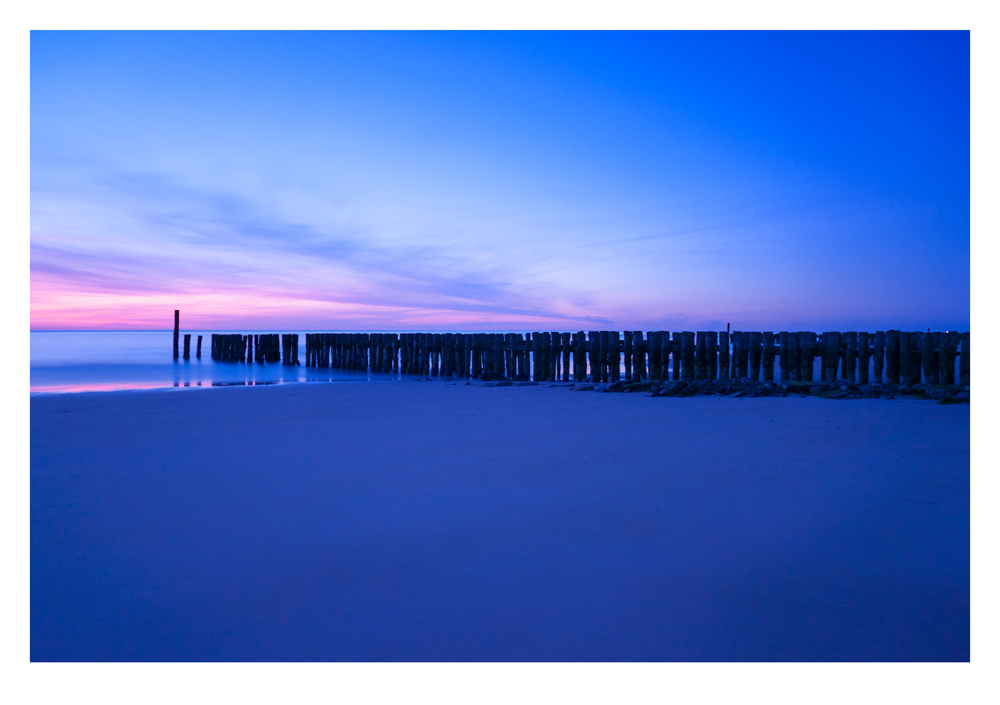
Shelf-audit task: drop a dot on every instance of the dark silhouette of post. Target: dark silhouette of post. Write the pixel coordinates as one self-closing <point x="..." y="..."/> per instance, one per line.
<point x="187" y="346"/>
<point x="177" y="331"/>
<point x="199" y="348"/>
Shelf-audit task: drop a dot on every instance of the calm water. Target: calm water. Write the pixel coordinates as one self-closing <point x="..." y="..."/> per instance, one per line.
<point x="81" y="361"/>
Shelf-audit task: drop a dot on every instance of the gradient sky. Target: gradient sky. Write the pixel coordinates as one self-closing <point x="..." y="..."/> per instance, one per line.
<point x="500" y="181"/>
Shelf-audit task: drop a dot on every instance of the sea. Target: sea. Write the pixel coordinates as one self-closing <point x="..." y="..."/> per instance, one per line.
<point x="96" y="361"/>
<point x="101" y="361"/>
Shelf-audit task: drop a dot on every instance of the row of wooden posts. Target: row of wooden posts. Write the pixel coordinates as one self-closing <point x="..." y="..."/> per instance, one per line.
<point x="598" y="356"/>
<point x="187" y="347"/>
<point x="234" y="347"/>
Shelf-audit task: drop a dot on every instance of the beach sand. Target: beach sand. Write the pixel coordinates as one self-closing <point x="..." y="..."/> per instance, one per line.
<point x="436" y="521"/>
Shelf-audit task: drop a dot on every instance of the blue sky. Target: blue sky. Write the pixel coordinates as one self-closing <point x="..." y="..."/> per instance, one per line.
<point x="500" y="181"/>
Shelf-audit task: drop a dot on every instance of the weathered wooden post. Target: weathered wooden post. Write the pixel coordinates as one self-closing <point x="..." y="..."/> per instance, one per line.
<point x="964" y="370"/>
<point x="177" y="332"/>
<point x="831" y="356"/>
<point x="929" y="357"/>
<point x="638" y="357"/>
<point x="653" y="343"/>
<point x="663" y="349"/>
<point x="723" y="356"/>
<point x="712" y="354"/>
<point x="593" y="350"/>
<point x="864" y="356"/>
<point x="768" y="358"/>
<point x="187" y="346"/>
<point x="687" y="355"/>
<point x="661" y="342"/>
<point x="946" y="358"/>
<point x="739" y="355"/>
<point x="614" y="357"/>
<point x="905" y="357"/>
<point x="783" y="357"/>
<point x="566" y="349"/>
<point x="794" y="356"/>
<point x="700" y="365"/>
<point x="602" y="356"/>
<point x="755" y="351"/>
<point x="879" y="357"/>
<point x="628" y="354"/>
<point x="198" y="354"/>
<point x="850" y="356"/>
<point x="551" y="341"/>
<point x="807" y="353"/>
<point x="476" y="353"/>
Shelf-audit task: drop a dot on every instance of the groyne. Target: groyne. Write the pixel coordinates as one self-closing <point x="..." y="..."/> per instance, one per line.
<point x="898" y="357"/>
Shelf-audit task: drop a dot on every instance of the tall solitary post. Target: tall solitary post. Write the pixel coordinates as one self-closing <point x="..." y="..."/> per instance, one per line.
<point x="177" y="332"/>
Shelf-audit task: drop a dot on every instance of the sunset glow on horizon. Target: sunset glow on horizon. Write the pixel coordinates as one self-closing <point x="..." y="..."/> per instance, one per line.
<point x="480" y="181"/>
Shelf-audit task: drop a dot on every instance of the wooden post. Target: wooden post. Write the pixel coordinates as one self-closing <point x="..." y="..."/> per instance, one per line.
<point x="850" y="356"/>
<point x="566" y="349"/>
<point x="552" y="342"/>
<point x="687" y="355"/>
<point x="615" y="357"/>
<point x="964" y="373"/>
<point x="878" y="353"/>
<point x="712" y="355"/>
<point x="187" y="346"/>
<point x="198" y="355"/>
<point x="831" y="356"/>
<point x="794" y="356"/>
<point x="628" y="354"/>
<point x="864" y="357"/>
<point x="929" y="357"/>
<point x="946" y="358"/>
<point x="905" y="357"/>
<point x="807" y="352"/>
<point x="663" y="345"/>
<point x="654" y="345"/>
<point x="700" y="365"/>
<point x="638" y="357"/>
<point x="783" y="358"/>
<point x="723" y="356"/>
<point x="604" y="356"/>
<point x="739" y="355"/>
<point x="593" y="350"/>
<point x="177" y="331"/>
<point x="755" y="352"/>
<point x="768" y="359"/>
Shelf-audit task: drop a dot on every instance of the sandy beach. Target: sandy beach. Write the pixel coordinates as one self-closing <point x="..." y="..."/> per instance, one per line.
<point x="430" y="521"/>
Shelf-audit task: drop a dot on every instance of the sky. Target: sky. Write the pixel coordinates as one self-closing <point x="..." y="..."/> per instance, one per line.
<point x="494" y="181"/>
